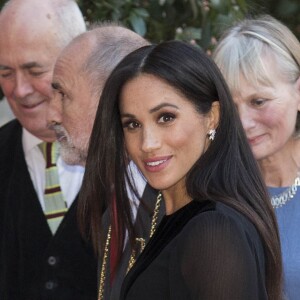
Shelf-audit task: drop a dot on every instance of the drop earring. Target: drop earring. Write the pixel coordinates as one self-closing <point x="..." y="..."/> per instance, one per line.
<point x="211" y="134"/>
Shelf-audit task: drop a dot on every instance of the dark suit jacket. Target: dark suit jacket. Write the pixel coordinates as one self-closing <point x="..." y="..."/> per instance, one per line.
<point x="34" y="265"/>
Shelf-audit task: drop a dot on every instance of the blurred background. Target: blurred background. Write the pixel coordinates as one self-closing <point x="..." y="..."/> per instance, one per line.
<point x="200" y="22"/>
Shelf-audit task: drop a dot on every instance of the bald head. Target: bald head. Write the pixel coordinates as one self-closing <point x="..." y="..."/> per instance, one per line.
<point x="79" y="77"/>
<point x="60" y="20"/>
<point x="107" y="45"/>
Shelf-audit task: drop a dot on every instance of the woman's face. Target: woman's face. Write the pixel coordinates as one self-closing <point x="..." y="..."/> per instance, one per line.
<point x="268" y="113"/>
<point x="164" y="135"/>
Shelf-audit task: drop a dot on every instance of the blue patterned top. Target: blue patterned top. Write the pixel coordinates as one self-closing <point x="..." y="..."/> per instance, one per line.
<point x="288" y="217"/>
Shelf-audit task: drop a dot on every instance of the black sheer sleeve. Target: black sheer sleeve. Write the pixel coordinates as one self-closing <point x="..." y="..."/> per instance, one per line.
<point x="220" y="256"/>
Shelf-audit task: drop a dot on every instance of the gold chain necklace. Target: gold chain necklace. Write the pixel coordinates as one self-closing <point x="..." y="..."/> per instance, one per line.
<point x="288" y="194"/>
<point x="103" y="267"/>
<point x="133" y="254"/>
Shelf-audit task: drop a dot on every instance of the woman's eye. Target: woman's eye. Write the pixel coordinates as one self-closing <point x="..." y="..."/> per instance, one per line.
<point x="131" y="125"/>
<point x="165" y="118"/>
<point x="258" y="102"/>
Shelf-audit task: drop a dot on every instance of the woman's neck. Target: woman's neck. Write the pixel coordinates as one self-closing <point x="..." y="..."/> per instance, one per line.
<point x="175" y="198"/>
<point x="282" y="168"/>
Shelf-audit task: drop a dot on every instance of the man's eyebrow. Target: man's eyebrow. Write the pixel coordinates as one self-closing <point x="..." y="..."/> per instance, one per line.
<point x="30" y="65"/>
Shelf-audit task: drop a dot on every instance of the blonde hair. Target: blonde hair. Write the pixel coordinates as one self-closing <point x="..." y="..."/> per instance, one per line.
<point x="242" y="50"/>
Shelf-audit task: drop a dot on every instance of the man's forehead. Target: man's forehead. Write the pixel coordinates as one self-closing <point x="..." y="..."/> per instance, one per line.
<point x="24" y="66"/>
<point x="25" y="58"/>
<point x="64" y="65"/>
<point x="69" y="62"/>
<point x="27" y="34"/>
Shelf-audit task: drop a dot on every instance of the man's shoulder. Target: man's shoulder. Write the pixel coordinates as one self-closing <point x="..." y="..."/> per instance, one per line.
<point x="12" y="124"/>
<point x="12" y="127"/>
<point x="10" y="135"/>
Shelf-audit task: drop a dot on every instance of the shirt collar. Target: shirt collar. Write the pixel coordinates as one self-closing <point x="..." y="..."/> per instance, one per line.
<point x="29" y="141"/>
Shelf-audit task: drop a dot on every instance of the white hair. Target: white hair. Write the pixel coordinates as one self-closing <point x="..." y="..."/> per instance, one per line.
<point x="243" y="50"/>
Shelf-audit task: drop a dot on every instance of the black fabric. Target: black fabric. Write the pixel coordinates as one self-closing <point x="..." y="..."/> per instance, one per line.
<point x="34" y="264"/>
<point x="142" y="227"/>
<point x="202" y="251"/>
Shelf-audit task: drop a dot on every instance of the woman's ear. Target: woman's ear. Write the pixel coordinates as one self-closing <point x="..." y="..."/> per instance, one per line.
<point x="214" y="115"/>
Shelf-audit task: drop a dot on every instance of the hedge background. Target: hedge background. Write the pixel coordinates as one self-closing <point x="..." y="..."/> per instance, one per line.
<point x="198" y="21"/>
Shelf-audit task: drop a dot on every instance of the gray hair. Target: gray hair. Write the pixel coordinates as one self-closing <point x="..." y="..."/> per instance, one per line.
<point x="243" y="48"/>
<point x="114" y="42"/>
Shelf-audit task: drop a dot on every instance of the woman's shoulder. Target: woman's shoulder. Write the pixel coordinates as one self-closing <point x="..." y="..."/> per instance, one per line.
<point x="224" y="213"/>
<point x="224" y="245"/>
<point x="224" y="224"/>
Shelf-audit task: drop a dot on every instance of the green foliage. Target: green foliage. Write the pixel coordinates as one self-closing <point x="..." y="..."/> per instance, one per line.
<point x="198" y="21"/>
<point x="287" y="11"/>
<point x="158" y="20"/>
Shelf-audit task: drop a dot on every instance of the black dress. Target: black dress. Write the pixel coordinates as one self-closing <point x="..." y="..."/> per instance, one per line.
<point x="202" y="251"/>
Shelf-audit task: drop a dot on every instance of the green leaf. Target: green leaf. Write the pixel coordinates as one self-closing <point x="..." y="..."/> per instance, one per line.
<point x="142" y="12"/>
<point x="138" y="24"/>
<point x="191" y="33"/>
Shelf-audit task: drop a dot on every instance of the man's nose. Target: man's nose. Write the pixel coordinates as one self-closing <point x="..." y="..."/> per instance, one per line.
<point x="23" y="86"/>
<point x="54" y="112"/>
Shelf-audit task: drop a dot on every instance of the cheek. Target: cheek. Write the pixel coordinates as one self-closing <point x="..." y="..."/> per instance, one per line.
<point x="43" y="86"/>
<point x="73" y="117"/>
<point x="188" y="138"/>
<point x="190" y="146"/>
<point x="276" y="118"/>
<point x="269" y="118"/>
<point x="179" y="141"/>
<point x="72" y="125"/>
<point x="131" y="146"/>
<point x="7" y="87"/>
<point x="280" y="122"/>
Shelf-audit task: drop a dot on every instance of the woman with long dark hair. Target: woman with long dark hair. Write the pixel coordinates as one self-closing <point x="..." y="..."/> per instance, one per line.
<point x="168" y="109"/>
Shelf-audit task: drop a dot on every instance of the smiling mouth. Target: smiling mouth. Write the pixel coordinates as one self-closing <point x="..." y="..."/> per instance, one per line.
<point x="255" y="140"/>
<point x="31" y="106"/>
<point x="156" y="163"/>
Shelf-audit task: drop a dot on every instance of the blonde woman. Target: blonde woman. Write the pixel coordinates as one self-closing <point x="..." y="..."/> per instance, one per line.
<point x="260" y="60"/>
